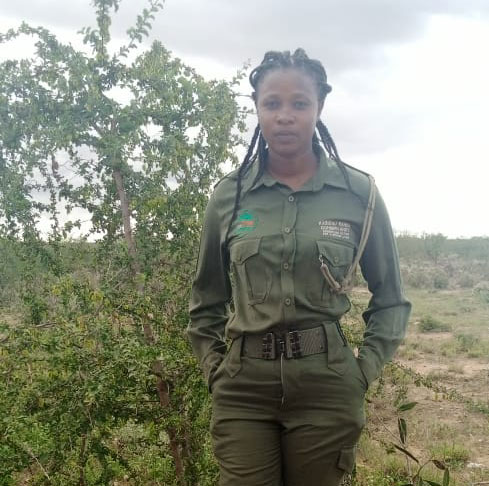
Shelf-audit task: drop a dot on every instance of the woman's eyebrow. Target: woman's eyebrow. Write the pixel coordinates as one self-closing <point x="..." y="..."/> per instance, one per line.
<point x="295" y="94"/>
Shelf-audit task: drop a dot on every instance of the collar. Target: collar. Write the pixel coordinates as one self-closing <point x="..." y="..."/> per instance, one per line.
<point x="328" y="173"/>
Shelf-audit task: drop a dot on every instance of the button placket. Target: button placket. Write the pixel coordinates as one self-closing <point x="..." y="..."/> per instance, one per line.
<point x="289" y="239"/>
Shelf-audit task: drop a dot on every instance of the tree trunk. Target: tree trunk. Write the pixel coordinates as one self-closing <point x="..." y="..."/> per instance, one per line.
<point x="162" y="385"/>
<point x="126" y="222"/>
<point x="82" y="459"/>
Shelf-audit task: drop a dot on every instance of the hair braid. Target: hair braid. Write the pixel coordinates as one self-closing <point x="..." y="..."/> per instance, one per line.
<point x="243" y="169"/>
<point x="262" y="158"/>
<point x="330" y="147"/>
<point x="299" y="60"/>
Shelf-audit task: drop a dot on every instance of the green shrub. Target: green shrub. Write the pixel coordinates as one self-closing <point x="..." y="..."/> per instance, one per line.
<point x="482" y="291"/>
<point x="466" y="281"/>
<point x="417" y="279"/>
<point x="453" y="455"/>
<point x="430" y="324"/>
<point x="466" y="342"/>
<point x="471" y="345"/>
<point x="440" y="280"/>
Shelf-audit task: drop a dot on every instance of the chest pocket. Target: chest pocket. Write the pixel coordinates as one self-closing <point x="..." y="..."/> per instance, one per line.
<point x="249" y="274"/>
<point x="338" y="257"/>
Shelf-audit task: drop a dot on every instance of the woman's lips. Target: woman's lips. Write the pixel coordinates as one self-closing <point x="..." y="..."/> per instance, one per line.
<point x="285" y="136"/>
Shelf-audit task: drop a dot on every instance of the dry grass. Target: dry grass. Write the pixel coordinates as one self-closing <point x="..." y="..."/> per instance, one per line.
<point x="450" y="427"/>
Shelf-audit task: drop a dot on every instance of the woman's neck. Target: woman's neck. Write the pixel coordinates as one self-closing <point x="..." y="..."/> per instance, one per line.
<point x="292" y="172"/>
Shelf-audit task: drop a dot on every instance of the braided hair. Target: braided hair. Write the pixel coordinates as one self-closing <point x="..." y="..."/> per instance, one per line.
<point x="257" y="150"/>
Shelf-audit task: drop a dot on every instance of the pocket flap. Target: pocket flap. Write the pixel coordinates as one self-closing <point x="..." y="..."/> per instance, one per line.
<point x="244" y="249"/>
<point x="346" y="461"/>
<point x="337" y="254"/>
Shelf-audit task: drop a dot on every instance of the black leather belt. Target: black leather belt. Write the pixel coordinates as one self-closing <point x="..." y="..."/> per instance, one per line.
<point x="290" y="344"/>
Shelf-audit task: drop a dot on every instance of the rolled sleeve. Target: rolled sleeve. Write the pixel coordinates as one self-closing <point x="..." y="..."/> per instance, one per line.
<point x="388" y="311"/>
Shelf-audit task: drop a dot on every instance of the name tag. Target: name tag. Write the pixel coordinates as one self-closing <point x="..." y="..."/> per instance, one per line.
<point x="335" y="228"/>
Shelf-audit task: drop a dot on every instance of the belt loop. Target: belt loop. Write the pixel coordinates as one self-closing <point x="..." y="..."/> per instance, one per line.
<point x="335" y="348"/>
<point x="233" y="361"/>
<point x="282" y="345"/>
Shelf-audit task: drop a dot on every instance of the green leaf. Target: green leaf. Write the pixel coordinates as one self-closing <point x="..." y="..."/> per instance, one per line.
<point x="405" y="451"/>
<point x="446" y="477"/>
<point x="401" y="423"/>
<point x="406" y="406"/>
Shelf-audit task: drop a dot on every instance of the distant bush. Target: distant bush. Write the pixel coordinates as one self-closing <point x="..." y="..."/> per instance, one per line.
<point x="421" y="277"/>
<point x="417" y="279"/>
<point x="430" y="324"/>
<point x="440" y="280"/>
<point x="466" y="281"/>
<point x="472" y="346"/>
<point x="358" y="280"/>
<point x="466" y="342"/>
<point x="433" y="245"/>
<point x="482" y="291"/>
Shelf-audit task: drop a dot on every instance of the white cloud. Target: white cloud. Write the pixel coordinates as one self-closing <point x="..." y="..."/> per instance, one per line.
<point x="435" y="181"/>
<point x="409" y="101"/>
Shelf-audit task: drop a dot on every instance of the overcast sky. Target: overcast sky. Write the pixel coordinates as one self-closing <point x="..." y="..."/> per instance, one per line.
<point x="410" y="81"/>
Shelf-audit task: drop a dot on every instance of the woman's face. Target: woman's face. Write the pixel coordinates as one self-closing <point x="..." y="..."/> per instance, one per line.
<point x="288" y="109"/>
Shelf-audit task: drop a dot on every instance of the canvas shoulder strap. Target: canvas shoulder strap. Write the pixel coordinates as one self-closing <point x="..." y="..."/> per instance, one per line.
<point x="346" y="283"/>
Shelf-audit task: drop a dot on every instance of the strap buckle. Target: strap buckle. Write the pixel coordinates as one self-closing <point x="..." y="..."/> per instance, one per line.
<point x="295" y="344"/>
<point x="268" y="346"/>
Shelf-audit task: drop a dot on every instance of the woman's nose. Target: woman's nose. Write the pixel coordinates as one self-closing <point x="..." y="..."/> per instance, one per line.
<point x="285" y="116"/>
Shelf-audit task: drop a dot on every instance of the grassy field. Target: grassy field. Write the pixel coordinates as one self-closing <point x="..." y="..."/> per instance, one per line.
<point x="443" y="365"/>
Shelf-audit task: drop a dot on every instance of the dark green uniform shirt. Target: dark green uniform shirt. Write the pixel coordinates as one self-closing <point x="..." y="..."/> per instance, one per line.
<point x="271" y="268"/>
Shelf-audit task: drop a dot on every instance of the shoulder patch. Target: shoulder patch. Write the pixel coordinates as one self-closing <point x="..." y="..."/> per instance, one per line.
<point x="246" y="221"/>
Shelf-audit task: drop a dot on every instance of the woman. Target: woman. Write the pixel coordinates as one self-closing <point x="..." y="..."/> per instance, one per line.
<point x="281" y="239"/>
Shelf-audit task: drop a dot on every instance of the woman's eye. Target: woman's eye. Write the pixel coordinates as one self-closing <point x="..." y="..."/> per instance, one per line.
<point x="272" y="104"/>
<point x="300" y="105"/>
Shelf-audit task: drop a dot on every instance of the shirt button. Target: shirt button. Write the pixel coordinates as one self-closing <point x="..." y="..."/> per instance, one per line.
<point x="286" y="266"/>
<point x="291" y="198"/>
<point x="287" y="301"/>
<point x="287" y="229"/>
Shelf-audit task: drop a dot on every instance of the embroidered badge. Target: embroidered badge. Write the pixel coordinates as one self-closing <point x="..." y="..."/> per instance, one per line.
<point x="247" y="221"/>
<point x="336" y="229"/>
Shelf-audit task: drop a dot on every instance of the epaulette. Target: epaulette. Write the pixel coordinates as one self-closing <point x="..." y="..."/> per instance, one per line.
<point x="229" y="175"/>
<point x="356" y="169"/>
<point x="360" y="181"/>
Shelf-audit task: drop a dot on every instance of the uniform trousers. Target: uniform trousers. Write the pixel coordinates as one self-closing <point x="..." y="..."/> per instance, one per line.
<point x="287" y="422"/>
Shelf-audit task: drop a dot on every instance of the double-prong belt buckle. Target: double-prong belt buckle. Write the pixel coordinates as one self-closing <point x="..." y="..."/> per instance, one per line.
<point x="268" y="346"/>
<point x="287" y="345"/>
<point x="295" y="344"/>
